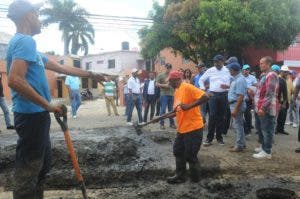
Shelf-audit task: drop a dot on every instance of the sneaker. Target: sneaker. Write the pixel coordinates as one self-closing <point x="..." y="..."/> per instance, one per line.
<point x="141" y="123"/>
<point x="221" y="142"/>
<point x="129" y="123"/>
<point x="173" y="126"/>
<point x="74" y="116"/>
<point x="295" y="125"/>
<point x="262" y="155"/>
<point x="258" y="149"/>
<point x="11" y="127"/>
<point x="289" y="123"/>
<point x="162" y="127"/>
<point x="207" y="143"/>
<point x="284" y="132"/>
<point x="297" y="150"/>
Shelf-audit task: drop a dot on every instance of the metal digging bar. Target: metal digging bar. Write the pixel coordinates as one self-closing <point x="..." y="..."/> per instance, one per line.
<point x="64" y="126"/>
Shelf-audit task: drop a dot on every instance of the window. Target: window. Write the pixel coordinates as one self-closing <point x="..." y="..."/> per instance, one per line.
<point x="85" y="82"/>
<point x="162" y="61"/>
<point x="100" y="62"/>
<point x="76" y="63"/>
<point x="62" y="62"/>
<point x="185" y="61"/>
<point x="111" y="63"/>
<point x="88" y="65"/>
<point x="94" y="84"/>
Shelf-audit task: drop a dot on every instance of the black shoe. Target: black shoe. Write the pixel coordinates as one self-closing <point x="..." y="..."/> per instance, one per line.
<point x="297" y="150"/>
<point x="221" y="142"/>
<point x="283" y="132"/>
<point x="176" y="179"/>
<point x="10" y="127"/>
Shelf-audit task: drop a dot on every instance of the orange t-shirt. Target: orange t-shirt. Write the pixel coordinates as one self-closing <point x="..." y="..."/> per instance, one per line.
<point x="189" y="120"/>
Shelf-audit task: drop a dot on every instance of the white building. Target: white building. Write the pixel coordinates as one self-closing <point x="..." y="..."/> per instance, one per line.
<point x="113" y="63"/>
<point x="4" y="39"/>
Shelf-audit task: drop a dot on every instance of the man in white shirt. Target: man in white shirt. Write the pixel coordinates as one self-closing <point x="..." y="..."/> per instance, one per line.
<point x="251" y="82"/>
<point x="219" y="82"/>
<point x="150" y="95"/>
<point x="135" y="97"/>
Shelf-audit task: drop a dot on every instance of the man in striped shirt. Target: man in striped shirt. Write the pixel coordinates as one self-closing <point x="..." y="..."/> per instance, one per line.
<point x="109" y="95"/>
<point x="266" y="107"/>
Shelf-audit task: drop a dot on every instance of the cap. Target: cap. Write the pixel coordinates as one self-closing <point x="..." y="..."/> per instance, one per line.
<point x="175" y="75"/>
<point x="19" y="8"/>
<point x="275" y="68"/>
<point x="231" y="60"/>
<point x="134" y="70"/>
<point x="200" y="65"/>
<point x="246" y="66"/>
<point x="218" y="58"/>
<point x="234" y="66"/>
<point x="285" y="68"/>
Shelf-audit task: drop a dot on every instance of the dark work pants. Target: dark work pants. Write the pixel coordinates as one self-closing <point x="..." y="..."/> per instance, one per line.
<point x="248" y="117"/>
<point x="218" y="107"/>
<point x="150" y="101"/>
<point x="281" y="119"/>
<point x="187" y="146"/>
<point x="33" y="154"/>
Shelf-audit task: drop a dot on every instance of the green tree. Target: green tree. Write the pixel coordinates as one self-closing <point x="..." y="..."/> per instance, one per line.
<point x="76" y="30"/>
<point x="200" y="29"/>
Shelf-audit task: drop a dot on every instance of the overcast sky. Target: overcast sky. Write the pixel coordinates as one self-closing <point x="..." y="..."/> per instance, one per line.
<point x="108" y="37"/>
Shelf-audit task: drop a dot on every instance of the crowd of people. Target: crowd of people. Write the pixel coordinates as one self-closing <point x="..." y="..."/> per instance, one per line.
<point x="236" y="93"/>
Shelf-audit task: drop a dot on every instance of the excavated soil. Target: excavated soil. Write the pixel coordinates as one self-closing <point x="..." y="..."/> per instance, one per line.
<point x="117" y="163"/>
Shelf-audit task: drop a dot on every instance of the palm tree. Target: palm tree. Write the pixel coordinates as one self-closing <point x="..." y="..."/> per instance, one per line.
<point x="80" y="36"/>
<point x="72" y="22"/>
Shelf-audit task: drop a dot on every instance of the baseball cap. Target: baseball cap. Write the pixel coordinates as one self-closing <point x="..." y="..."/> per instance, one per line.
<point x="246" y="66"/>
<point x="175" y="75"/>
<point x="275" y="68"/>
<point x="200" y="65"/>
<point x="134" y="70"/>
<point x="231" y="60"/>
<point x="285" y="68"/>
<point x="218" y="58"/>
<point x="19" y="8"/>
<point x="234" y="66"/>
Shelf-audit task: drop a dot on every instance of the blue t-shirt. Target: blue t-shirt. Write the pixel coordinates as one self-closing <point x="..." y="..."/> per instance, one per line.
<point x="237" y="87"/>
<point x="73" y="82"/>
<point x="24" y="47"/>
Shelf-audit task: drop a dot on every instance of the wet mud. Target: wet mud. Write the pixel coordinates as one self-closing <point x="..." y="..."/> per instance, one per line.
<point x="117" y="163"/>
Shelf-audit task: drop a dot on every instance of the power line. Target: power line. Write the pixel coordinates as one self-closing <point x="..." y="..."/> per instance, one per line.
<point x="119" y="17"/>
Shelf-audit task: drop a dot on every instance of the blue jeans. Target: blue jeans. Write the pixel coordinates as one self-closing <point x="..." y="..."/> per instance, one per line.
<point x="135" y="100"/>
<point x="5" y="111"/>
<point x="75" y="101"/>
<point x="217" y="115"/>
<point x="33" y="154"/>
<point x="267" y="123"/>
<point x="166" y="101"/>
<point x="127" y="104"/>
<point x="238" y="124"/>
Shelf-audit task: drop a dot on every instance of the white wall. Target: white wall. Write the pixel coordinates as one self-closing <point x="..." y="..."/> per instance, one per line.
<point x="124" y="62"/>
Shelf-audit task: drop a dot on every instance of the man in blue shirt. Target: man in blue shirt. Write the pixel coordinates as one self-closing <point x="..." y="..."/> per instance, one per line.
<point x="236" y="94"/>
<point x="31" y="100"/>
<point x="73" y="85"/>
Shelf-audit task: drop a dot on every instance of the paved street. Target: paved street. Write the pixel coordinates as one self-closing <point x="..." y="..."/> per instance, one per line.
<point x="285" y="162"/>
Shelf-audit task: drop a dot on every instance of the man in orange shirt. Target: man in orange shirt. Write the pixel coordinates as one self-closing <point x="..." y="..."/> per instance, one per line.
<point x="187" y="99"/>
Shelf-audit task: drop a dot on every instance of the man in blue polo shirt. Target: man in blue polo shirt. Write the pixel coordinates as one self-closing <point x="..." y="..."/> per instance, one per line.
<point x="73" y="85"/>
<point x="31" y="100"/>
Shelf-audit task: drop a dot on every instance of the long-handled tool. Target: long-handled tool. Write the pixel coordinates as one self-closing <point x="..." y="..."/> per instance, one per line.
<point x="138" y="127"/>
<point x="64" y="126"/>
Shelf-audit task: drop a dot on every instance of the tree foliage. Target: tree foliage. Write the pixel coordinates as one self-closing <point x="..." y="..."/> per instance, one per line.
<point x="202" y="28"/>
<point x="77" y="31"/>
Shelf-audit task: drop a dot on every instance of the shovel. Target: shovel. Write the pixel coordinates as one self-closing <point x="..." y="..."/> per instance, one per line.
<point x="64" y="126"/>
<point x="138" y="127"/>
